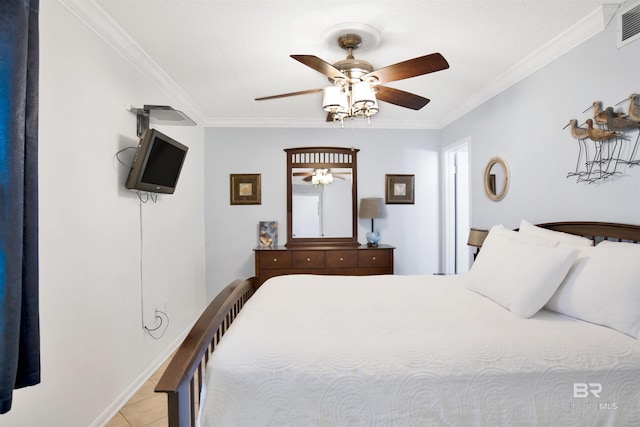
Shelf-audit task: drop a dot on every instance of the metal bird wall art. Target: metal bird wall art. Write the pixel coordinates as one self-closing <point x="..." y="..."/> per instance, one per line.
<point x="603" y="149"/>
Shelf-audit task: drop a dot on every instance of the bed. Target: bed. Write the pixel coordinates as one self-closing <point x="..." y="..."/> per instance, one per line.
<point x="561" y="348"/>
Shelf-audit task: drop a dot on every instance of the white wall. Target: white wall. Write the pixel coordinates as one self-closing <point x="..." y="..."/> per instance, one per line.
<point x="94" y="351"/>
<point x="524" y="124"/>
<point x="231" y="231"/>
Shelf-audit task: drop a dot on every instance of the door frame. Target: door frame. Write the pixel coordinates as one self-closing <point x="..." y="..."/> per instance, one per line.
<point x="452" y="252"/>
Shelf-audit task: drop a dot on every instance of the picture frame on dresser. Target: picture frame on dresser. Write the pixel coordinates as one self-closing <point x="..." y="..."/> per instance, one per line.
<point x="268" y="234"/>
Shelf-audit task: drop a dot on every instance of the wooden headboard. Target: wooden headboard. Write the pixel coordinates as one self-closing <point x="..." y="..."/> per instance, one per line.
<point x="598" y="231"/>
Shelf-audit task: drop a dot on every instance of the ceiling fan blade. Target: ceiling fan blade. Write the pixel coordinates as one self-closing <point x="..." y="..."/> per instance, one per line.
<point x="320" y="66"/>
<point x="302" y="173"/>
<point x="401" y="98"/>
<point x="284" y="95"/>
<point x="410" y="68"/>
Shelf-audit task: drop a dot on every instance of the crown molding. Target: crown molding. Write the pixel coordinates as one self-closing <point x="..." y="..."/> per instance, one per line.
<point x="321" y="123"/>
<point x="589" y="26"/>
<point x="94" y="17"/>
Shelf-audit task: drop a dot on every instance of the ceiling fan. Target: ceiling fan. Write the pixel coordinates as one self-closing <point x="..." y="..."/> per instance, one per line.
<point x="357" y="86"/>
<point x="320" y="176"/>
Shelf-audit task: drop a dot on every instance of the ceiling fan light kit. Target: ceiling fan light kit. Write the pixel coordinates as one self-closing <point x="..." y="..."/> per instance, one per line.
<point x="322" y="176"/>
<point x="357" y="87"/>
<point x="349" y="101"/>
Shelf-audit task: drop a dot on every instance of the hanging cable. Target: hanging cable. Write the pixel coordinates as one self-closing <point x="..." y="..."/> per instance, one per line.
<point x="117" y="155"/>
<point x="162" y="320"/>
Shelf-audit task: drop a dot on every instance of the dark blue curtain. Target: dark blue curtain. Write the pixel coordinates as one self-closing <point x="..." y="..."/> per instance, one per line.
<point x="19" y="320"/>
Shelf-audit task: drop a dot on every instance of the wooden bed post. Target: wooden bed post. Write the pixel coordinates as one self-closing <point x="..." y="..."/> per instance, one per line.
<point x="179" y="407"/>
<point x="183" y="378"/>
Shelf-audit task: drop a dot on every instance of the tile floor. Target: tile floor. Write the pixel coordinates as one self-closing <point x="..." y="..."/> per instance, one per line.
<point x="146" y="408"/>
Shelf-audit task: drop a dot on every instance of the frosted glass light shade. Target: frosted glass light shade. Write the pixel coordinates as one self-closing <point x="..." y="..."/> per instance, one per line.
<point x="363" y="96"/>
<point x="334" y="101"/>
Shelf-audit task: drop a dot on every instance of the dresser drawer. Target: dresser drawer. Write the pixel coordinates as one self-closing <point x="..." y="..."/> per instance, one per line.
<point x="341" y="259"/>
<point x="308" y="259"/>
<point x="374" y="258"/>
<point x="275" y="259"/>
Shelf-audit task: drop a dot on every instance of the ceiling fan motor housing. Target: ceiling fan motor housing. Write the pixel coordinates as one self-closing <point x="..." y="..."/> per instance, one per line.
<point x="352" y="67"/>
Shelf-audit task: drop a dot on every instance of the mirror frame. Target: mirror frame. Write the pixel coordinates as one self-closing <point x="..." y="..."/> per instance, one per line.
<point x="322" y="158"/>
<point x="498" y="195"/>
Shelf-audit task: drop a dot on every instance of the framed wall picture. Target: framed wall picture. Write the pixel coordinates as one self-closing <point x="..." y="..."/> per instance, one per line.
<point x="399" y="189"/>
<point x="245" y="189"/>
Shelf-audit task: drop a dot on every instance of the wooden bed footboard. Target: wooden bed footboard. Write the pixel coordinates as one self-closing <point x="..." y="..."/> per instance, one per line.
<point x="182" y="379"/>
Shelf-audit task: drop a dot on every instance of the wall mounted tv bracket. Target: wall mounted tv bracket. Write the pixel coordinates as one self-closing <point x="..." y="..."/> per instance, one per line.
<point x="161" y="115"/>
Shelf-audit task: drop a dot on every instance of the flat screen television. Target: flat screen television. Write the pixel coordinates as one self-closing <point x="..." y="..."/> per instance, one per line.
<point x="157" y="163"/>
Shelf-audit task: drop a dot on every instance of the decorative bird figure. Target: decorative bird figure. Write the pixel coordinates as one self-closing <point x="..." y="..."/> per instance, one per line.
<point x="580" y="134"/>
<point x="634" y="108"/>
<point x="604" y="156"/>
<point x="596" y="134"/>
<point x="576" y="131"/>
<point x="631" y="122"/>
<point x="617" y="123"/>
<point x="600" y="115"/>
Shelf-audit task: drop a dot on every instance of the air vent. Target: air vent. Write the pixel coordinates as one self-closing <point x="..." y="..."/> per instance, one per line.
<point x="629" y="24"/>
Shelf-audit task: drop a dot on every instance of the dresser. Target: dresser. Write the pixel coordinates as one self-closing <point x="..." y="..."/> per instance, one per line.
<point x="358" y="261"/>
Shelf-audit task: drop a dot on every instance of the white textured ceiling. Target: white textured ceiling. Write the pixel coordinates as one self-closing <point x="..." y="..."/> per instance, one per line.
<point x="216" y="56"/>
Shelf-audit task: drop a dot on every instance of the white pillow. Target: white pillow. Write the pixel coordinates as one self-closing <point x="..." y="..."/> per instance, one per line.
<point x="518" y="273"/>
<point x="603" y="288"/>
<point x="563" y="239"/>
<point x="522" y="237"/>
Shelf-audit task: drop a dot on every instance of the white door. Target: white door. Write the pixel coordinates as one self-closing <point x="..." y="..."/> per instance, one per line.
<point x="457" y="208"/>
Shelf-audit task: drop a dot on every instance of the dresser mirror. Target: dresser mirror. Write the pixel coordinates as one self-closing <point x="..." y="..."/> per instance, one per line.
<point x="496" y="179"/>
<point x="321" y="196"/>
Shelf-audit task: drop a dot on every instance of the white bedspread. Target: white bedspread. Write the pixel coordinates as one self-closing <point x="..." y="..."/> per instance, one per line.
<point x="413" y="351"/>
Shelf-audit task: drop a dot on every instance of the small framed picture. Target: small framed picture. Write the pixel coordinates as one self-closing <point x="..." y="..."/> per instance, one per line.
<point x="399" y="189"/>
<point x="245" y="189"/>
<point x="268" y="234"/>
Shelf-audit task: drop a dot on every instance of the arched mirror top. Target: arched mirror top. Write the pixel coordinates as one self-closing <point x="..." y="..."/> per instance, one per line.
<point x="496" y="179"/>
<point x="321" y="196"/>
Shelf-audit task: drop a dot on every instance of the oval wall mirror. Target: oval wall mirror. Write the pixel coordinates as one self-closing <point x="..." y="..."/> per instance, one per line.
<point x="496" y="179"/>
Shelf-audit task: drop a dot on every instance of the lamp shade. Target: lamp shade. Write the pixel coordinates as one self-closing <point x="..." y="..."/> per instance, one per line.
<point x="334" y="101"/>
<point x="476" y="237"/>
<point x="362" y="96"/>
<point x="372" y="207"/>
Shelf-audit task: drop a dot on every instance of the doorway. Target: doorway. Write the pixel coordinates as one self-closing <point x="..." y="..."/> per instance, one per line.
<point x="457" y="208"/>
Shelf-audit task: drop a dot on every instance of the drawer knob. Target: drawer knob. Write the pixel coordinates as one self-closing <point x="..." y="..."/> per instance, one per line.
<point x="308" y="259"/>
<point x="341" y="259"/>
<point x="275" y="260"/>
<point x="373" y="258"/>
